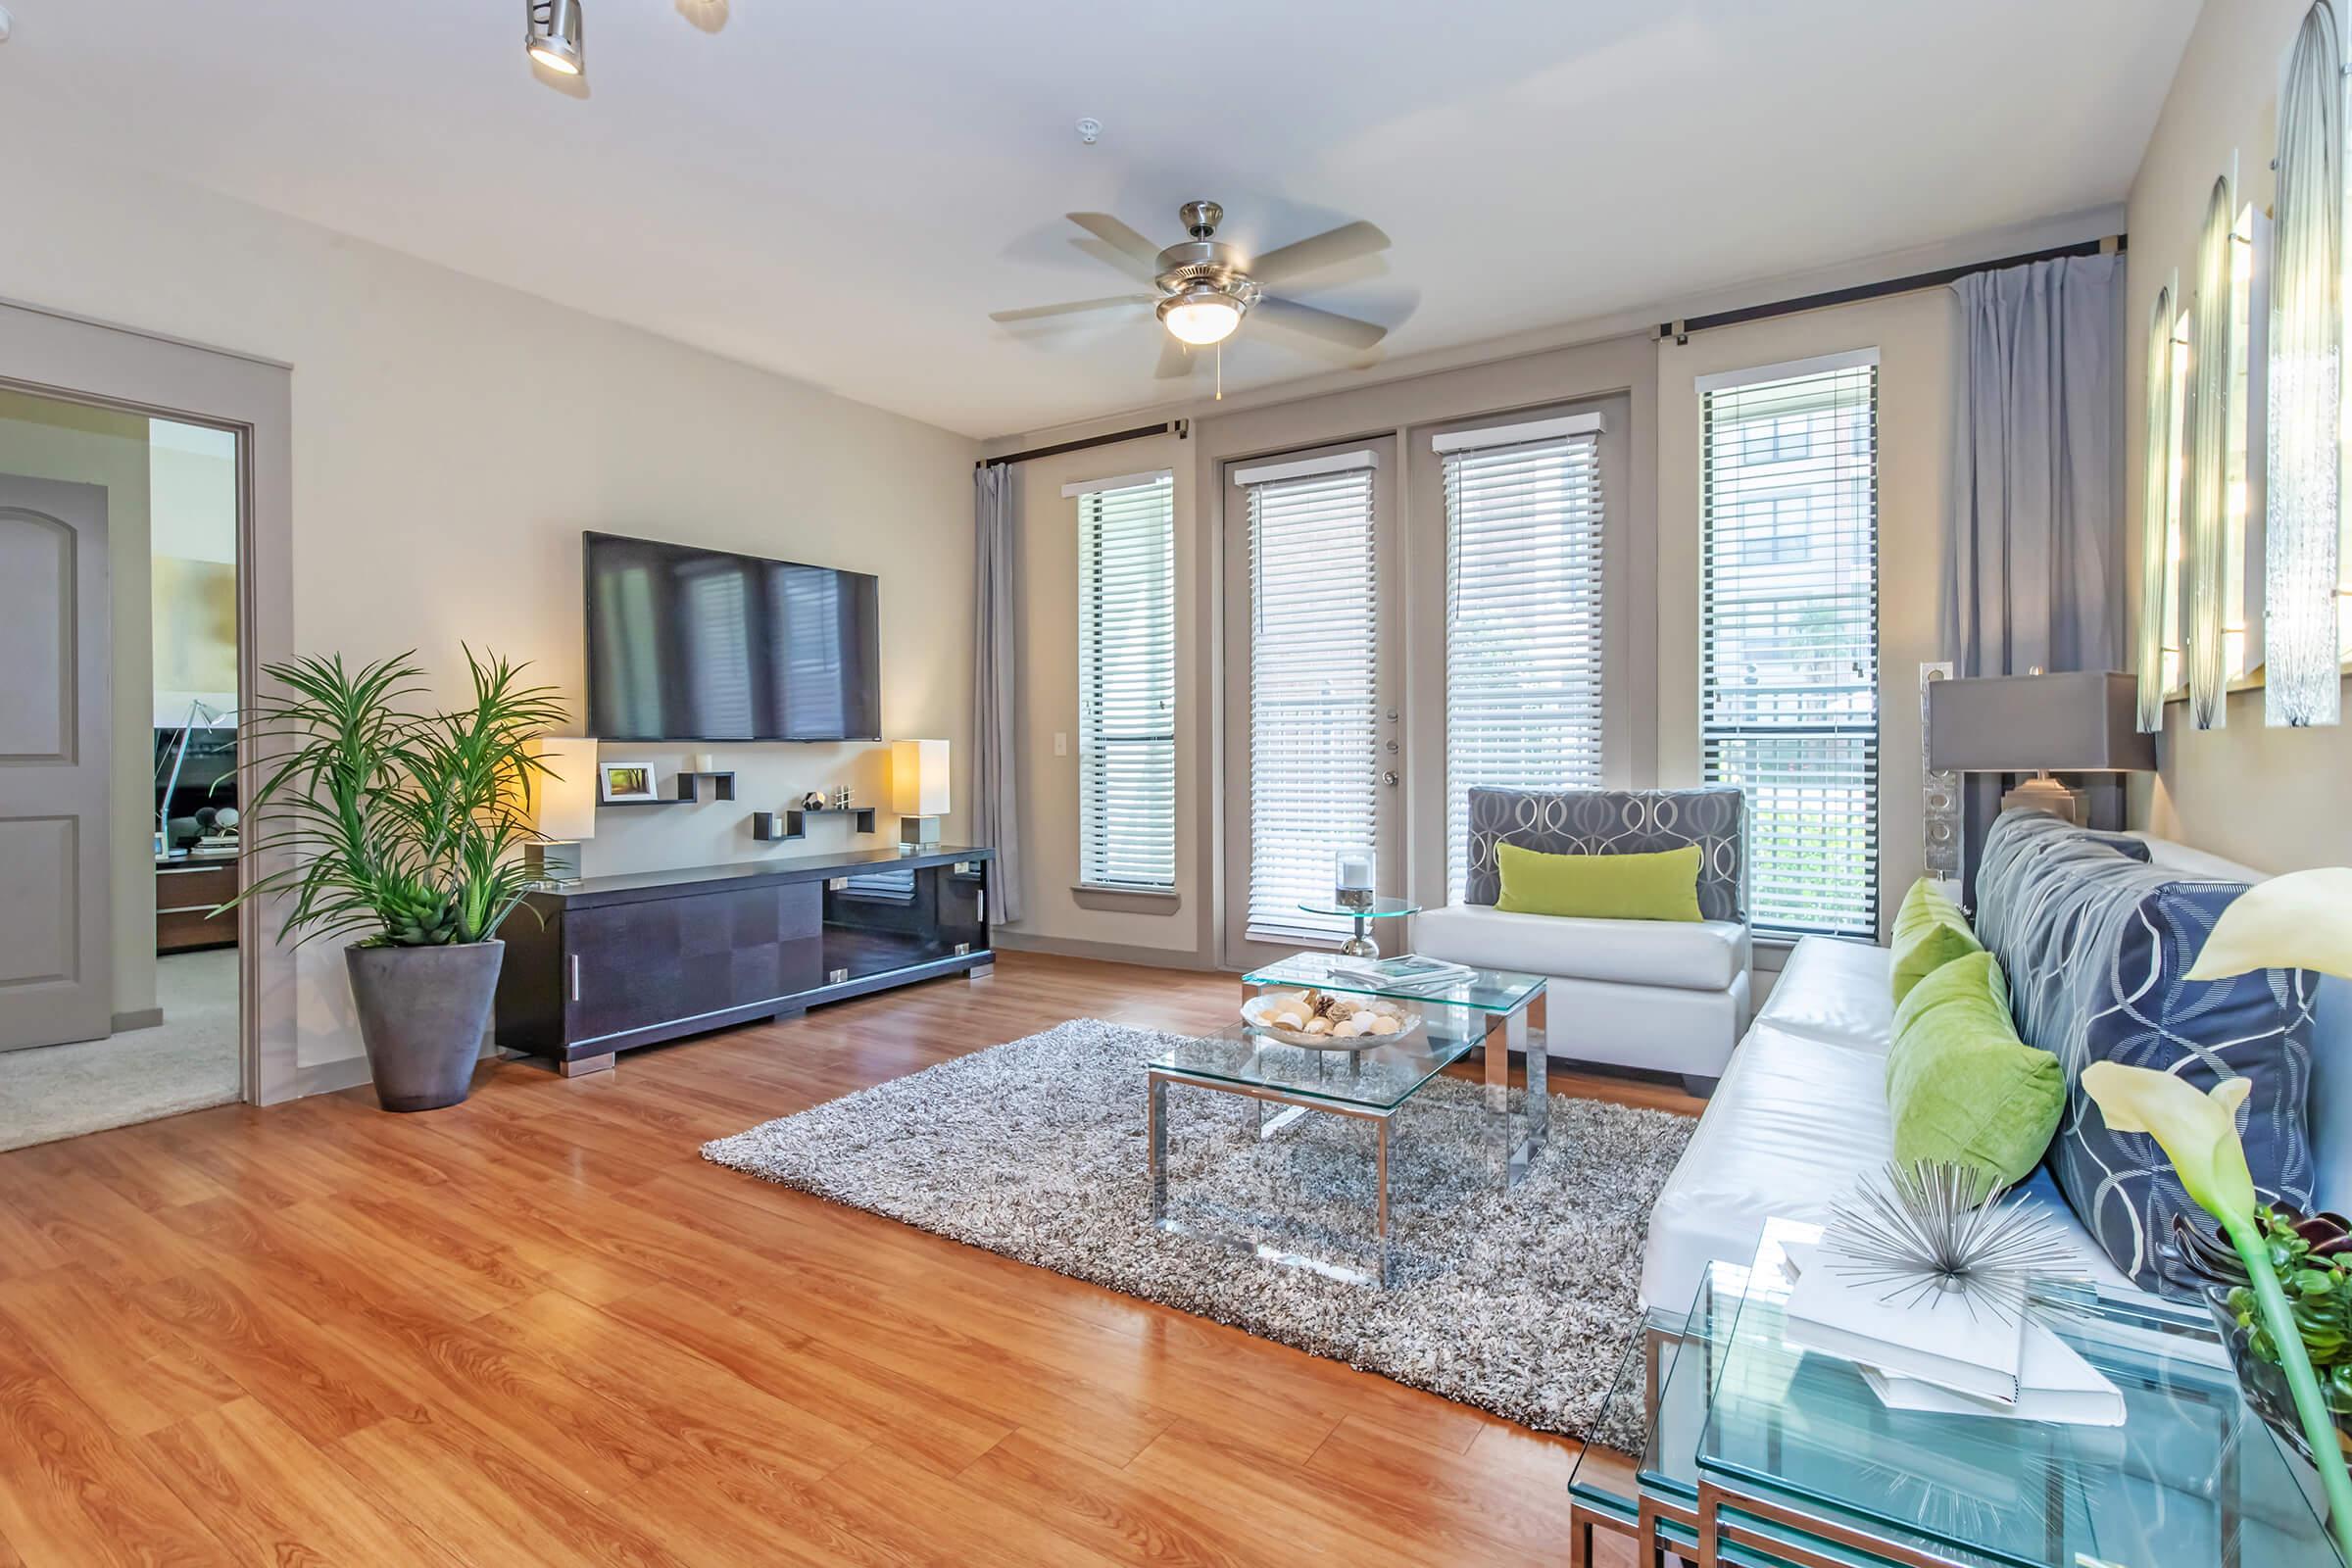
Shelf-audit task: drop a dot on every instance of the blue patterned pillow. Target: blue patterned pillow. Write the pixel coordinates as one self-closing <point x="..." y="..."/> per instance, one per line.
<point x="2095" y="945"/>
<point x="1616" y="822"/>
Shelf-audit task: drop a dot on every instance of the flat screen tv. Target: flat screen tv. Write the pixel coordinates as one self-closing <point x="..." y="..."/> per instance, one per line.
<point x="700" y="644"/>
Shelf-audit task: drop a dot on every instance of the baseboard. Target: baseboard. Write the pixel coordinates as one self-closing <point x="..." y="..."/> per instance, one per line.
<point x="1102" y="952"/>
<point x="331" y="1077"/>
<point x="144" y="1018"/>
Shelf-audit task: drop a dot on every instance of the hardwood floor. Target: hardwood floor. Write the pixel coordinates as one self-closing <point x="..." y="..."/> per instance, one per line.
<point x="539" y="1328"/>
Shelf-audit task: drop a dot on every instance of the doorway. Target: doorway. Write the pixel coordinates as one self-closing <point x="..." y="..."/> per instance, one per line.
<point x="119" y="767"/>
<point x="1314" y="756"/>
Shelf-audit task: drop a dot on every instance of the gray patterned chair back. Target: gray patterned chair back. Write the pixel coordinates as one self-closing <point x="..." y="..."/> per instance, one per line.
<point x="1617" y="823"/>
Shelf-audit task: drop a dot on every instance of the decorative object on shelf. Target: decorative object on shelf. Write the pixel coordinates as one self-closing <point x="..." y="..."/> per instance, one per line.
<point x="625" y="783"/>
<point x="2198" y="1134"/>
<point x="1351" y="878"/>
<point x="2082" y="721"/>
<point x="813" y="800"/>
<point x="919" y="787"/>
<point x="404" y="831"/>
<point x="841" y="799"/>
<point x="705" y="763"/>
<point x="1323" y="1021"/>
<point x="2302" y="544"/>
<point x="564" y="804"/>
<point x="1935" y="1229"/>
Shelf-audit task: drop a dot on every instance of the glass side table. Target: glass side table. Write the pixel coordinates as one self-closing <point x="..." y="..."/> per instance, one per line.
<point x="1761" y="1453"/>
<point x="1361" y="944"/>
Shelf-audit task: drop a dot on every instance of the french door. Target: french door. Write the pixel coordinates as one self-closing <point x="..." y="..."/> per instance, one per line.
<point x="1314" y="746"/>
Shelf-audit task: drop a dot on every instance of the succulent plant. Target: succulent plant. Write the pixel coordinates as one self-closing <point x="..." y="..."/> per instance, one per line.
<point x="2312" y="1255"/>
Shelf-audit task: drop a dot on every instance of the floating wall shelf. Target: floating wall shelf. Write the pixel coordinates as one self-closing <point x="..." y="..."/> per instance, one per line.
<point x="723" y="788"/>
<point x="778" y="827"/>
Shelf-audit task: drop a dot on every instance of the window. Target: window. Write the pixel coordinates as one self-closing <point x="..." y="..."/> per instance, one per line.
<point x="1523" y="614"/>
<point x="1127" y="681"/>
<point x="1789" y="655"/>
<point x="1313" y="684"/>
<point x="2216" y="466"/>
<point x="2160" y="515"/>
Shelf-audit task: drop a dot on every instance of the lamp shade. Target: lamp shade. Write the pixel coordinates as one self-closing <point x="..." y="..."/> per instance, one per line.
<point x="918" y="777"/>
<point x="564" y="799"/>
<point x="2084" y="721"/>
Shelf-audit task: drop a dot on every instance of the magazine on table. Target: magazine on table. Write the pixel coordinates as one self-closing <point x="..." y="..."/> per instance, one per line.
<point x="1406" y="972"/>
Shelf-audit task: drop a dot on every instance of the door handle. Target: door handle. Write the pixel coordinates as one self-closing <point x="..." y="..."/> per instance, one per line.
<point x="575" y="977"/>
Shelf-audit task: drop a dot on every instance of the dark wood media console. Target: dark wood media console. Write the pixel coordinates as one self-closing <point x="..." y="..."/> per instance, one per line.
<point x="605" y="965"/>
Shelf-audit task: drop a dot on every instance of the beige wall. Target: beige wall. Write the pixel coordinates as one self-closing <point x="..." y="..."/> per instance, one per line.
<point x="2273" y="799"/>
<point x="1917" y="338"/>
<point x="453" y="439"/>
<point x="42" y="438"/>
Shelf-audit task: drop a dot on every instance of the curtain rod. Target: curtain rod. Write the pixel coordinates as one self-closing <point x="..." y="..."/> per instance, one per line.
<point x="1681" y="332"/>
<point x="1181" y="430"/>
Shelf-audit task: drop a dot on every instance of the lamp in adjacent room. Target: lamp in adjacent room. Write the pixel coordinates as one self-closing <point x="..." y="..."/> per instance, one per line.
<point x="2082" y="721"/>
<point x="918" y="791"/>
<point x="562" y="806"/>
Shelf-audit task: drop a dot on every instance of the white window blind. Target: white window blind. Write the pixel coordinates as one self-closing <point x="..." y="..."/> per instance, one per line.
<point x="1790" y="629"/>
<point x="1523" y="623"/>
<point x="1313" y="691"/>
<point x="1127" y="684"/>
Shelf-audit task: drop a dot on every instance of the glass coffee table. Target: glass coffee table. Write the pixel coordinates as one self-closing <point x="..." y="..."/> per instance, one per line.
<point x="1760" y="1453"/>
<point x="1369" y="1085"/>
<point x="1488" y="1011"/>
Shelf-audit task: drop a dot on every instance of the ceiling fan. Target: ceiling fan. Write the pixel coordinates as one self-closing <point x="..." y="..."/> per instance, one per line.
<point x="1203" y="286"/>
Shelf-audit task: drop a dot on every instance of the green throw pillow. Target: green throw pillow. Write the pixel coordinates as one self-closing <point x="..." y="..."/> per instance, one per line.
<point x="1963" y="1088"/>
<point x="1930" y="932"/>
<point x="1660" y="886"/>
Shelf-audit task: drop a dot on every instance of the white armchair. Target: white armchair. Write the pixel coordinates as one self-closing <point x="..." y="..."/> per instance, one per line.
<point x="1670" y="996"/>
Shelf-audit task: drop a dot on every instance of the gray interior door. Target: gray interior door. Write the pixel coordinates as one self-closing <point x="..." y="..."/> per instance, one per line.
<point x="56" y="744"/>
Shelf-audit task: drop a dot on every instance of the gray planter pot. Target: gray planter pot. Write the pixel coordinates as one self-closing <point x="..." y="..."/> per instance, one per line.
<point x="421" y="1015"/>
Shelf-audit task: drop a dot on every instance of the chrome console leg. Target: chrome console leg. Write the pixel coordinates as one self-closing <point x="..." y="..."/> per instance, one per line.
<point x="1380" y="1224"/>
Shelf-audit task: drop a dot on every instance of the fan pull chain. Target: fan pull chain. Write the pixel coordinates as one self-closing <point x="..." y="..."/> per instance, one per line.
<point x="1220" y="373"/>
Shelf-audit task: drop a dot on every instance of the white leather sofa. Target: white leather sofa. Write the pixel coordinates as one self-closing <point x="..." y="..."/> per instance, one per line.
<point x="1657" y="994"/>
<point x="1666" y="995"/>
<point x="1800" y="1115"/>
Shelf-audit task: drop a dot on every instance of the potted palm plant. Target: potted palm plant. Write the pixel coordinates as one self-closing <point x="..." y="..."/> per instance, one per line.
<point x="406" y="829"/>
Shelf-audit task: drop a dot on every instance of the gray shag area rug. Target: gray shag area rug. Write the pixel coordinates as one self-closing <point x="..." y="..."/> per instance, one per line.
<point x="1520" y="1303"/>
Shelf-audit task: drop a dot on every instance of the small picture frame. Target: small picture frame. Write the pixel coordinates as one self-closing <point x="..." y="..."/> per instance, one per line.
<point x="618" y="782"/>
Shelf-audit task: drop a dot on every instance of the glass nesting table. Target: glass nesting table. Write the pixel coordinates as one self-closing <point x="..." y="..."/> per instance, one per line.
<point x="1760" y="1455"/>
<point x="1486" y="1014"/>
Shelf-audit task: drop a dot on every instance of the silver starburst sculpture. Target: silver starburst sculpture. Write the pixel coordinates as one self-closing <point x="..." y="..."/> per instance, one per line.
<point x="1932" y="1229"/>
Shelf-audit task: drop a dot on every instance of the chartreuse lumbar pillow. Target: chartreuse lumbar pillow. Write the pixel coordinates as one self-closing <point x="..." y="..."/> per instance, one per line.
<point x="1930" y="932"/>
<point x="1657" y="886"/>
<point x="1963" y="1088"/>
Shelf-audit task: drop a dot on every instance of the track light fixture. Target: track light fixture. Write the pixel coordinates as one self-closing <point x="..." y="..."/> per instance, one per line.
<point x="554" y="35"/>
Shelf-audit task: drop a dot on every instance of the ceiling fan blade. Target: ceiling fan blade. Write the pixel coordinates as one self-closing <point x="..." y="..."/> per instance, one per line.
<point x="1328" y="326"/>
<point x="1175" y="363"/>
<point x="1142" y="257"/>
<point x="1345" y="243"/>
<point x="1032" y="313"/>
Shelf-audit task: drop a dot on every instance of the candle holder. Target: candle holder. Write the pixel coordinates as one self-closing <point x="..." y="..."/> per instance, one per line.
<point x="1352" y="877"/>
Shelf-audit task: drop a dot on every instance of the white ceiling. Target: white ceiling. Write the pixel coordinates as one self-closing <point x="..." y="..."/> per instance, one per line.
<point x="843" y="191"/>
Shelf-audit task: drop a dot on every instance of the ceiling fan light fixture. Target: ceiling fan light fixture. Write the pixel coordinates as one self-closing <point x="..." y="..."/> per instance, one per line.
<point x="555" y="34"/>
<point x="1201" y="316"/>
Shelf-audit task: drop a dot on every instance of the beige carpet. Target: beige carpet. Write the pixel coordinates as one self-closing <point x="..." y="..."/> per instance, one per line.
<point x="186" y="1062"/>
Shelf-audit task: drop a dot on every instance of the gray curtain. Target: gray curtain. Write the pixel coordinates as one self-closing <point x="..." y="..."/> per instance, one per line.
<point x="2034" y="544"/>
<point x="996" y="689"/>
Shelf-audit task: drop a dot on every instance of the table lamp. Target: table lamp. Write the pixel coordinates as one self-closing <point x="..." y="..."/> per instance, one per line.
<point x="562" y="806"/>
<point x="2082" y="721"/>
<point x="919" y="792"/>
